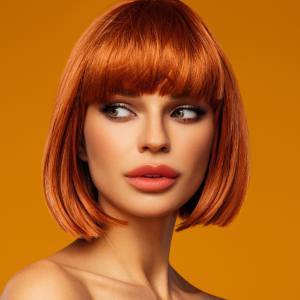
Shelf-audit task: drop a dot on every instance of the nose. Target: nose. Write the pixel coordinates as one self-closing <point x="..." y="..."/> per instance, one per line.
<point x="154" y="136"/>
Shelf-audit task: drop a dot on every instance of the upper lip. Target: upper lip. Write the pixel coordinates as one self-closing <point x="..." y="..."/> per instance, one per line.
<point x="162" y="170"/>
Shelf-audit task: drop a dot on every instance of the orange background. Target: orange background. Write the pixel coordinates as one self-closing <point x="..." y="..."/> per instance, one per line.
<point x="257" y="256"/>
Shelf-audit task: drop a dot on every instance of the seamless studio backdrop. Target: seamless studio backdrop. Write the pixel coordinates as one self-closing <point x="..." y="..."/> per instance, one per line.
<point x="256" y="256"/>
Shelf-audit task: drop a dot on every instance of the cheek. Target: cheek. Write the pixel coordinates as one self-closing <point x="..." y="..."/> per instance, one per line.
<point x="100" y="144"/>
<point x="102" y="147"/>
<point x="105" y="142"/>
<point x="195" y="148"/>
<point x="106" y="147"/>
<point x="201" y="147"/>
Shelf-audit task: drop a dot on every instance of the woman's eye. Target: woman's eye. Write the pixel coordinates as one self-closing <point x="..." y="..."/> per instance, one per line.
<point x="194" y="113"/>
<point x="120" y="111"/>
<point x="111" y="111"/>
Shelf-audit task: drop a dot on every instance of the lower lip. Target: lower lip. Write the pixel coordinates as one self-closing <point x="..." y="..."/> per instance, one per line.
<point x="151" y="184"/>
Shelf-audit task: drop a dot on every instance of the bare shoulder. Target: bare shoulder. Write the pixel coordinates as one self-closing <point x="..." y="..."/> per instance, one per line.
<point x="43" y="280"/>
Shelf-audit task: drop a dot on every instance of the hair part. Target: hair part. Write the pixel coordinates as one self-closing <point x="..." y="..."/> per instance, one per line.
<point x="143" y="46"/>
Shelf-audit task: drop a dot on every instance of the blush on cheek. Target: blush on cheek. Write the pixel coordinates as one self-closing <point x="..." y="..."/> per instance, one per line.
<point x="199" y="150"/>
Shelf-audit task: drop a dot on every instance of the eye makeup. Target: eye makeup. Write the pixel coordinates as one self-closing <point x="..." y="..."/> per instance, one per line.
<point x="107" y="107"/>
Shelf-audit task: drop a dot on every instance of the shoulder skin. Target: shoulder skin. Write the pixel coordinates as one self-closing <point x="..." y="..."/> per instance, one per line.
<point x="43" y="280"/>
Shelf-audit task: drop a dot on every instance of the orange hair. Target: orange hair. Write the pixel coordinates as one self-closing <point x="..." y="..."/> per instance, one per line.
<point x="141" y="46"/>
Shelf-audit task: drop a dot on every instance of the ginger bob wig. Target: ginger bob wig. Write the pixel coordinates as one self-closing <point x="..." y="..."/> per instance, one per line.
<point x="144" y="46"/>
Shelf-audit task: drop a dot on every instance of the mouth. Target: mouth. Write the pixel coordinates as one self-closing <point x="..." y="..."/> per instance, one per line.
<point x="151" y="184"/>
<point x="151" y="178"/>
<point x="153" y="171"/>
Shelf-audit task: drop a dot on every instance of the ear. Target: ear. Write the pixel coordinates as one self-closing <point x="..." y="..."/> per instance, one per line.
<point x="82" y="152"/>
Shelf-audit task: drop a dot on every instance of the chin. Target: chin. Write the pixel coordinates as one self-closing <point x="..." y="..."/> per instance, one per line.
<point x="140" y="210"/>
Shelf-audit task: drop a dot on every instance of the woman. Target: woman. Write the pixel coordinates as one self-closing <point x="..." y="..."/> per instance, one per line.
<point x="148" y="126"/>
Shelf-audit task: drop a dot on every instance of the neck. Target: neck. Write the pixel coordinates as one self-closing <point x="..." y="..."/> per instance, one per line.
<point x="137" y="253"/>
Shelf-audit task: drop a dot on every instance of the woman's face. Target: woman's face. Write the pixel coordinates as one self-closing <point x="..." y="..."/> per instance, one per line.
<point x="119" y="139"/>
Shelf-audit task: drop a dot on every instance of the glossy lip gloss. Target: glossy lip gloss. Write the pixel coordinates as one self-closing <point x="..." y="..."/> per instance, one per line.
<point x="151" y="184"/>
<point x="152" y="178"/>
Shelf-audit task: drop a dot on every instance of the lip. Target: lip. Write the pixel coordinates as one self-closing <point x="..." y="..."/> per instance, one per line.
<point x="168" y="178"/>
<point x="162" y="170"/>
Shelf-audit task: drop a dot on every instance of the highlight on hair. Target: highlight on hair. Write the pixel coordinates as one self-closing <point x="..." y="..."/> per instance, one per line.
<point x="144" y="46"/>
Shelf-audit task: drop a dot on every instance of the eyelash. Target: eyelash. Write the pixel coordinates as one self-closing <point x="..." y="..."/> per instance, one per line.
<point x="199" y="111"/>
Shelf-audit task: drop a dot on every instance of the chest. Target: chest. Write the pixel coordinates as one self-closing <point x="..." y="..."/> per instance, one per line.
<point x="119" y="292"/>
<point x="101" y="287"/>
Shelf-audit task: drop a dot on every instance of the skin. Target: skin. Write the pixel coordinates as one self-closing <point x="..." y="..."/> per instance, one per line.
<point x="132" y="262"/>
